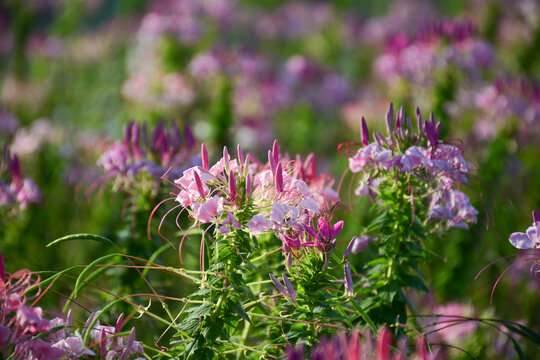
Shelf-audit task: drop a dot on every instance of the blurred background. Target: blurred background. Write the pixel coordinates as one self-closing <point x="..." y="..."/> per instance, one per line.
<point x="75" y="73"/>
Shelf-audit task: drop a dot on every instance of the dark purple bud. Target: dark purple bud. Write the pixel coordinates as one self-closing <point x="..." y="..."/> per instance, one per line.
<point x="204" y="156"/>
<point x="129" y="345"/>
<point x="400" y="117"/>
<point x="278" y="284"/>
<point x="419" y="122"/>
<point x="536" y="216"/>
<point x="288" y="262"/>
<point x="336" y="229"/>
<point x="176" y="139"/>
<point x="232" y="185"/>
<point x="199" y="184"/>
<point x="275" y="151"/>
<point x="102" y="343"/>
<point x="248" y="185"/>
<point x="15" y="169"/>
<point x="365" y="133"/>
<point x="144" y="135"/>
<point x="311" y="231"/>
<point x="389" y="118"/>
<point x="127" y="133"/>
<point x="360" y="243"/>
<point x="378" y="138"/>
<point x="349" y="287"/>
<point x="290" y="288"/>
<point x="278" y="178"/>
<point x="157" y="133"/>
<point x="240" y="154"/>
<point x="135" y="141"/>
<point x="118" y="326"/>
<point x="409" y="123"/>
<point x="323" y="227"/>
<point x="188" y="136"/>
<point x="349" y="248"/>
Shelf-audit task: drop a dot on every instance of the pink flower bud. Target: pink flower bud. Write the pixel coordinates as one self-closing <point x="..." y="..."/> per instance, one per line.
<point x="248" y="185"/>
<point x="271" y="161"/>
<point x="278" y="178"/>
<point x="199" y="184"/>
<point x="204" y="156"/>
<point x="240" y="154"/>
<point x="232" y="185"/>
<point x="389" y="118"/>
<point x="275" y="151"/>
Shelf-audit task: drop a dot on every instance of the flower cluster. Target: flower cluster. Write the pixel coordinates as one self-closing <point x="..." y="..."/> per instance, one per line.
<point x="504" y="99"/>
<point x="25" y="331"/>
<point x="417" y="155"/>
<point x="437" y="45"/>
<point x="244" y="193"/>
<point x="16" y="192"/>
<point x="139" y="153"/>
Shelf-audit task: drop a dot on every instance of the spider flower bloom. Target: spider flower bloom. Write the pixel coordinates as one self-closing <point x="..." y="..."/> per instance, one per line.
<point x="139" y="153"/>
<point x="531" y="238"/>
<point x="16" y="192"/>
<point x="416" y="155"/>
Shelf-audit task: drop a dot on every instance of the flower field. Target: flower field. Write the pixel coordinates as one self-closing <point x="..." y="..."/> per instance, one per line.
<point x="242" y="179"/>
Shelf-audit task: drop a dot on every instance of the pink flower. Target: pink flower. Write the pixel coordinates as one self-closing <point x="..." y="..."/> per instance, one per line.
<point x="39" y="349"/>
<point x="207" y="211"/>
<point x="531" y="238"/>
<point x="259" y="224"/>
<point x="31" y="320"/>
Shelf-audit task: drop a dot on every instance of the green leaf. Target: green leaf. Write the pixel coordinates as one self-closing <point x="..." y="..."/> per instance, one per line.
<point x="364" y="315"/>
<point x="201" y="310"/>
<point x="189" y="325"/>
<point x="414" y="282"/>
<point x="81" y="237"/>
<point x="237" y="307"/>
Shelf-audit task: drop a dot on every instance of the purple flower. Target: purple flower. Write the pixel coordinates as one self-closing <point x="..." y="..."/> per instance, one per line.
<point x="357" y="244"/>
<point x="209" y="210"/>
<point x="531" y="238"/>
<point x="259" y="224"/>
